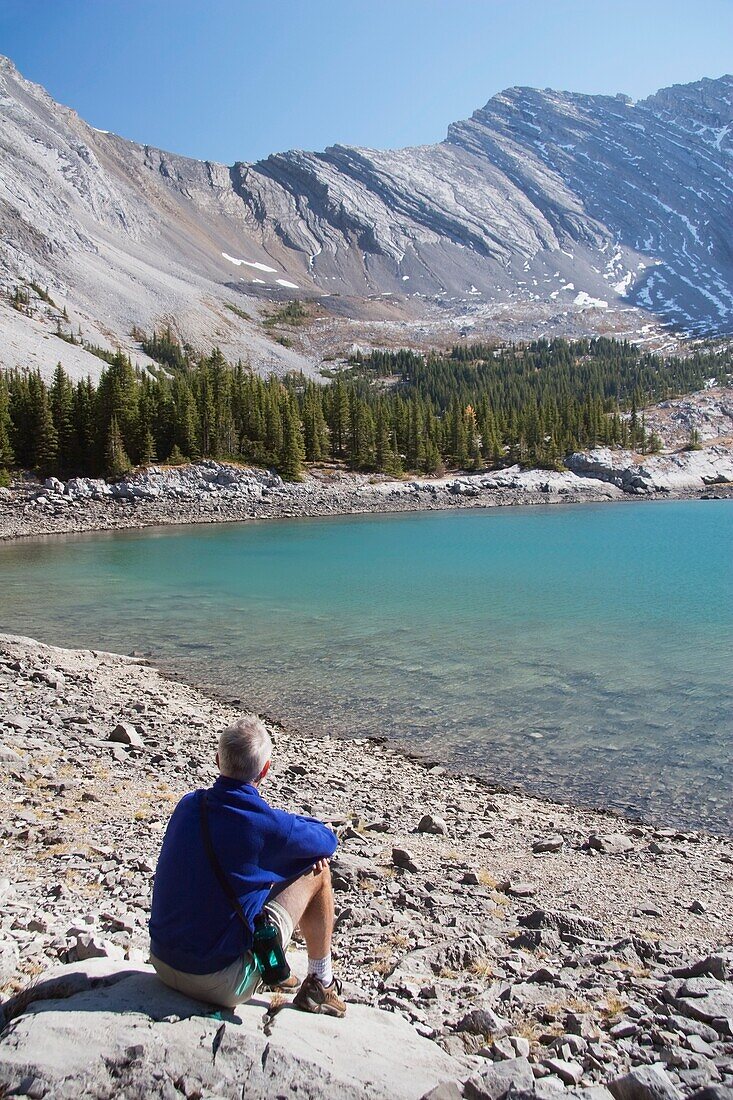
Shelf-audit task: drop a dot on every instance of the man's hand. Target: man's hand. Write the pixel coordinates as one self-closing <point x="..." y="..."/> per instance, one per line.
<point x="320" y="866"/>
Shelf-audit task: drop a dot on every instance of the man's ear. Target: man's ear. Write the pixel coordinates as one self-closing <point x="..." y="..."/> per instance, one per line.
<point x="217" y="761"/>
<point x="264" y="771"/>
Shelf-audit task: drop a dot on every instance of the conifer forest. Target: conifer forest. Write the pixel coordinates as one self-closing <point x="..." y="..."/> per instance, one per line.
<point x="477" y="406"/>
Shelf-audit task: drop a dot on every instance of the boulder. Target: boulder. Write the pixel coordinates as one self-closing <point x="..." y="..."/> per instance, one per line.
<point x="142" y="1039"/>
<point x="84" y="488"/>
<point x="403" y="859"/>
<point x="88" y="946"/>
<point x="610" y="843"/>
<point x="449" y="1090"/>
<point x="712" y="966"/>
<point x="658" y="473"/>
<point x="552" y="843"/>
<point x="563" y="923"/>
<point x="431" y="823"/>
<point x="495" y="1081"/>
<point x="9" y="958"/>
<point x="568" y="1072"/>
<point x="9" y="757"/>
<point x="125" y="733"/>
<point x="708" y="1000"/>
<point x="483" y="1021"/>
<point x="645" y="1083"/>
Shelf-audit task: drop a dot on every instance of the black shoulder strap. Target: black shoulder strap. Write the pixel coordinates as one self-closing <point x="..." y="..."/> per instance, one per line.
<point x="215" y="865"/>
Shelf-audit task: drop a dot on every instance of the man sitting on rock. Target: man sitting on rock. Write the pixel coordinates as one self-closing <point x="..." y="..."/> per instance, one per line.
<point x="270" y="860"/>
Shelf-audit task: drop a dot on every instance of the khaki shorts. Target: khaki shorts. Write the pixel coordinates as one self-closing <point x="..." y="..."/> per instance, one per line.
<point x="234" y="984"/>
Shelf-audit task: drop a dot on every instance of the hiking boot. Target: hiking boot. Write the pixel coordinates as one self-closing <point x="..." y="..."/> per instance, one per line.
<point x="288" y="986"/>
<point x="314" y="996"/>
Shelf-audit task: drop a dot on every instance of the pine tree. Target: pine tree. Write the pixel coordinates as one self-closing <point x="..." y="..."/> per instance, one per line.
<point x="175" y="458"/>
<point x="206" y="411"/>
<point x="116" y="460"/>
<point x="385" y="458"/>
<point x="338" y="420"/>
<point x="62" y="409"/>
<point x="473" y="438"/>
<point x="147" y="455"/>
<point x="84" y="459"/>
<point x="694" y="442"/>
<point x="7" y="456"/>
<point x="292" y="454"/>
<point x="117" y="398"/>
<point x="315" y="433"/>
<point x="185" y="421"/>
<point x="44" y="447"/>
<point x="415" y="451"/>
<point x="275" y="403"/>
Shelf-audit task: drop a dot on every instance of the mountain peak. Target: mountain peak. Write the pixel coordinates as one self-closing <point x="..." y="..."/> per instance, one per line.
<point x="562" y="212"/>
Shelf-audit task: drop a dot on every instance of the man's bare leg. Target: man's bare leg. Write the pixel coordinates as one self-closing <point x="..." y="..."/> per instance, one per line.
<point x="309" y="901"/>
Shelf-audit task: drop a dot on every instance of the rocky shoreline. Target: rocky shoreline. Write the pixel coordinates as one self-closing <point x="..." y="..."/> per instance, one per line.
<point x="542" y="947"/>
<point x="215" y="492"/>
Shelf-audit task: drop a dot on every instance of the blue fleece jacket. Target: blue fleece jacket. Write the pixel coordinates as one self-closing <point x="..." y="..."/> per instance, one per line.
<point x="192" y="924"/>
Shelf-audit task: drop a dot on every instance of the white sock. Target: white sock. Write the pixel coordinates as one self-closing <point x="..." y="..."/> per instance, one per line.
<point x="321" y="969"/>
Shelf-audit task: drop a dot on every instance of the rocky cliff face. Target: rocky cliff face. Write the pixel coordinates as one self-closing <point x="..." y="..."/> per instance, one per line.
<point x="628" y="201"/>
<point x="571" y="208"/>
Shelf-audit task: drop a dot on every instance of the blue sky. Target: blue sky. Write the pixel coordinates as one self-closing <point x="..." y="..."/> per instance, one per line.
<point x="237" y="79"/>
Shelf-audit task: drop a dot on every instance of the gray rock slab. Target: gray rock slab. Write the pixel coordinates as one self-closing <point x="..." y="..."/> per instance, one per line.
<point x="137" y="1034"/>
<point x="610" y="843"/>
<point x="495" y="1081"/>
<point x="645" y="1083"/>
<point x="563" y="923"/>
<point x="713" y="1092"/>
<point x="708" y="1000"/>
<point x="713" y="966"/>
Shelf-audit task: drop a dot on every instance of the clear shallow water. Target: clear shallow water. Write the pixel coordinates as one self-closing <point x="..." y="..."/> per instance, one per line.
<point x="581" y="652"/>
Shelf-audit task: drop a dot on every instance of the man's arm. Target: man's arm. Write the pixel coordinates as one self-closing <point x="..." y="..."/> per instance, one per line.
<point x="311" y="839"/>
<point x="304" y="843"/>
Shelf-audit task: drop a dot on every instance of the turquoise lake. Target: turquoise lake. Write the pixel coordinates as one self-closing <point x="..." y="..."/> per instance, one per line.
<point x="584" y="653"/>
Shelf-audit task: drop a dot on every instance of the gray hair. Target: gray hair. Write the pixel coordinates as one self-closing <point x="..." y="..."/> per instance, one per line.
<point x="244" y="749"/>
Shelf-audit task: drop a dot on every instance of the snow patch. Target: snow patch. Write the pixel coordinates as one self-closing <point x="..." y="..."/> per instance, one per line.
<point x="248" y="263"/>
<point x="284" y="282"/>
<point x="622" y="286"/>
<point x="583" y="299"/>
<point x="720" y="134"/>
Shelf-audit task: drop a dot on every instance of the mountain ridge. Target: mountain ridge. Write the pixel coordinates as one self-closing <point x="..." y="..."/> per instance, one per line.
<point x="543" y="213"/>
